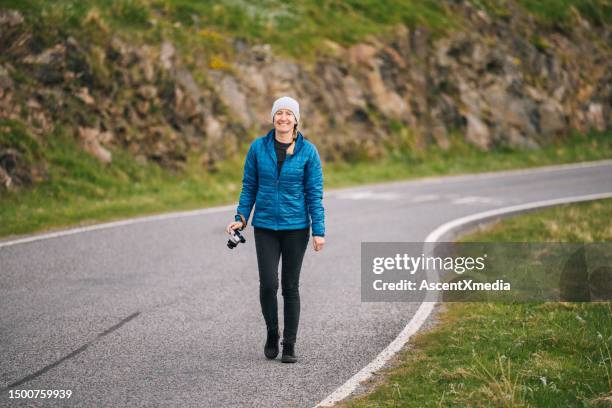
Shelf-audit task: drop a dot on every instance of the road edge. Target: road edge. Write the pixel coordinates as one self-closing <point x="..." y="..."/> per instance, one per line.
<point x="449" y="230"/>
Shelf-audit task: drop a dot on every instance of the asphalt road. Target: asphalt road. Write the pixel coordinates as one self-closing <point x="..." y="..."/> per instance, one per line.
<point x="161" y="313"/>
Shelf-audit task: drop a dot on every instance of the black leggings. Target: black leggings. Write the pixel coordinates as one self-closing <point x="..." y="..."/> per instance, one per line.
<point x="270" y="245"/>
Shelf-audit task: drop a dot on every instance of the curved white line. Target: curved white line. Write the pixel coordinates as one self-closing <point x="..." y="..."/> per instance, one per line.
<point x="428" y="304"/>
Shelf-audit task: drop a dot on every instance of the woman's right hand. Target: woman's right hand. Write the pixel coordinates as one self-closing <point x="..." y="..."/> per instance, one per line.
<point x="233" y="226"/>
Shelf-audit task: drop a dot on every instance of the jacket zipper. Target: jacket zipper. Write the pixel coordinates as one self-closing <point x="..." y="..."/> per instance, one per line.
<point x="277" y="194"/>
<point x="278" y="174"/>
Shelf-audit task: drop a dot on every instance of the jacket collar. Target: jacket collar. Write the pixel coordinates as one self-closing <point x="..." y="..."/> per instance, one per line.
<point x="269" y="142"/>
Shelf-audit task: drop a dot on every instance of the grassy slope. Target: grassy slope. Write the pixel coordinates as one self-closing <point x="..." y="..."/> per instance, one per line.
<point x="292" y="27"/>
<point x="513" y="355"/>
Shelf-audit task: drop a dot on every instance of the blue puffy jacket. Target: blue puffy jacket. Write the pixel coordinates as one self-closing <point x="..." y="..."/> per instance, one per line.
<point x="283" y="201"/>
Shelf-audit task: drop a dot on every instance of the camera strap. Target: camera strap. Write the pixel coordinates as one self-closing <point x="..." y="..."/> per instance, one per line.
<point x="243" y="221"/>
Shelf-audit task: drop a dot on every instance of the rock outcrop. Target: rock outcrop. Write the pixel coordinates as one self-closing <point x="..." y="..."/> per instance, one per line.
<point x="498" y="82"/>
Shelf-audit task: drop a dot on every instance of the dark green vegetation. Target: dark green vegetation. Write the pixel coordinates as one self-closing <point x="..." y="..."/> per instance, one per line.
<point x="513" y="355"/>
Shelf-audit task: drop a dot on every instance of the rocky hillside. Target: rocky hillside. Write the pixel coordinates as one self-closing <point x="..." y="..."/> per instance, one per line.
<point x="496" y="79"/>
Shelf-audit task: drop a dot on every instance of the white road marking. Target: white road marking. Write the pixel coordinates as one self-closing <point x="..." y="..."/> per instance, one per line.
<point x="475" y="200"/>
<point x="428" y="304"/>
<point x="118" y="224"/>
<point x="425" y="198"/>
<point x="369" y="195"/>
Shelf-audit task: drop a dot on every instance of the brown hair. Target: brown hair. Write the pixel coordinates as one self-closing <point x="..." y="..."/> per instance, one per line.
<point x="292" y="145"/>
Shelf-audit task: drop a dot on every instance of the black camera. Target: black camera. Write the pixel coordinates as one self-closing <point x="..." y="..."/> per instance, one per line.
<point x="235" y="239"/>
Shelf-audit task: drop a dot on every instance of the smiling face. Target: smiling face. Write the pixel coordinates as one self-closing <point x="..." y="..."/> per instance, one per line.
<point x="284" y="121"/>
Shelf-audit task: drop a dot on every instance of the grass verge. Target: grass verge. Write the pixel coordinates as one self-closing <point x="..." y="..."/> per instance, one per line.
<point x="82" y="191"/>
<point x="513" y="355"/>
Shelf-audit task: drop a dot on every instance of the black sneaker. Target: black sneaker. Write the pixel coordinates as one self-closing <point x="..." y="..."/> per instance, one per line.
<point x="288" y="353"/>
<point x="271" y="347"/>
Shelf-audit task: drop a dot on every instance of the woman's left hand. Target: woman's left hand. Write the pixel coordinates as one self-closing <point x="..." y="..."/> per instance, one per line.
<point x="317" y="243"/>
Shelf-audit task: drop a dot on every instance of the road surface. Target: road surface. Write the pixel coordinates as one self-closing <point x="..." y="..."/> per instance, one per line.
<point x="162" y="313"/>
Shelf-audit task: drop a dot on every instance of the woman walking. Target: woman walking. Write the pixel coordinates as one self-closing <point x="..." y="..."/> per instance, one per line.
<point x="284" y="180"/>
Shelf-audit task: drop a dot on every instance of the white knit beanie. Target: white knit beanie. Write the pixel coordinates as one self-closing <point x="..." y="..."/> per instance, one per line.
<point x="287" y="103"/>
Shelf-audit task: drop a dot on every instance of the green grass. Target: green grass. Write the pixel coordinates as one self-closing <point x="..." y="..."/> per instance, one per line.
<point x="293" y="28"/>
<point x="512" y="355"/>
<point x="408" y="161"/>
<point x="80" y="190"/>
<point x="567" y="223"/>
<point x="559" y="14"/>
